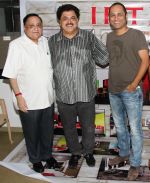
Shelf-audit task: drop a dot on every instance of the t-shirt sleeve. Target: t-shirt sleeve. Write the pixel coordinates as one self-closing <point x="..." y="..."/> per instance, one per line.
<point x="13" y="62"/>
<point x="141" y="44"/>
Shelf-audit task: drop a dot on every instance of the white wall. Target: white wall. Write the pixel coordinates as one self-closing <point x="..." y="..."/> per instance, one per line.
<point x="5" y="93"/>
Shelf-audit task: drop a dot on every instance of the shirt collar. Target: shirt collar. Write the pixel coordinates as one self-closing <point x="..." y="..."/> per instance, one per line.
<point x="29" y="40"/>
<point x="61" y="37"/>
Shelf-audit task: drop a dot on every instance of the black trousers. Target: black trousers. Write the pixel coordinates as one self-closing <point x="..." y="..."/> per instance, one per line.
<point x="38" y="130"/>
<point x="86" y="113"/>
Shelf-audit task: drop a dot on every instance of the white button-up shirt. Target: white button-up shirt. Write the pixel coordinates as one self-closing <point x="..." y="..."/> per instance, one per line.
<point x="30" y="64"/>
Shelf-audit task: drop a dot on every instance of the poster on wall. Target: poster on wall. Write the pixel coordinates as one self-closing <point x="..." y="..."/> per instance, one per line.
<point x="93" y="15"/>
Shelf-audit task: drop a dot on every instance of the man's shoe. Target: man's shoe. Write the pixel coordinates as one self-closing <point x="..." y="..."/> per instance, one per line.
<point x="133" y="173"/>
<point x="90" y="160"/>
<point x="117" y="160"/>
<point x="73" y="162"/>
<point x="52" y="164"/>
<point x="38" y="167"/>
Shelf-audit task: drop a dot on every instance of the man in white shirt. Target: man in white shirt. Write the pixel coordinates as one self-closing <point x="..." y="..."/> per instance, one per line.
<point x="28" y="66"/>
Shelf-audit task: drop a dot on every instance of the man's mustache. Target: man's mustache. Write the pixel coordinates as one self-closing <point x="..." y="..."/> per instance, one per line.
<point x="69" y="24"/>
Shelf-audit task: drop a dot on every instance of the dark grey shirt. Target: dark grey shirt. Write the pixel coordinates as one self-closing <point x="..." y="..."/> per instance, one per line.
<point x="124" y="58"/>
<point x="74" y="63"/>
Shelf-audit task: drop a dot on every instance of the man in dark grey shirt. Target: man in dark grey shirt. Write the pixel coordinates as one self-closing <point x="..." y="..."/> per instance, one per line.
<point x="129" y="61"/>
<point x="75" y="53"/>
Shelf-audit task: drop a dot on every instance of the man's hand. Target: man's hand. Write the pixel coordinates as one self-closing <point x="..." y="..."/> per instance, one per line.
<point x="131" y="87"/>
<point x="22" y="103"/>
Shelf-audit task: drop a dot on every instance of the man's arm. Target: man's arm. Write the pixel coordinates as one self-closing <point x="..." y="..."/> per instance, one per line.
<point x="20" y="100"/>
<point x="143" y="67"/>
<point x="100" y="53"/>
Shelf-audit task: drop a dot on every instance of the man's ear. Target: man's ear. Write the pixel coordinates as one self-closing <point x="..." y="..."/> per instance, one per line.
<point x="127" y="17"/>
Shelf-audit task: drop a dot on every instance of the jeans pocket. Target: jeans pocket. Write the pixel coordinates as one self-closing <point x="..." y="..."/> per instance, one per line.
<point x="137" y="88"/>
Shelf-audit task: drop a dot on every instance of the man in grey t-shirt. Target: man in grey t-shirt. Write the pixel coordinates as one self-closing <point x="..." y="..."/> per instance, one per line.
<point x="129" y="59"/>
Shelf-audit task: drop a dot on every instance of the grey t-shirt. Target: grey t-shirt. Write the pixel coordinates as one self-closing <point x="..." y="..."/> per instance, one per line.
<point x="124" y="58"/>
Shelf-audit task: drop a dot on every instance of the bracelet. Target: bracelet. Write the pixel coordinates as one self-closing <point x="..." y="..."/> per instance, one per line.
<point x="17" y="94"/>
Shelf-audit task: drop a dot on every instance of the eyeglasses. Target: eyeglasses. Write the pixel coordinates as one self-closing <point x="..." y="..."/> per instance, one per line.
<point x="34" y="26"/>
<point x="73" y="18"/>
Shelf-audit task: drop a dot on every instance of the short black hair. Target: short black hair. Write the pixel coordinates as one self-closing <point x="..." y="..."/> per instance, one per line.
<point x="118" y="3"/>
<point x="67" y="7"/>
<point x="31" y="15"/>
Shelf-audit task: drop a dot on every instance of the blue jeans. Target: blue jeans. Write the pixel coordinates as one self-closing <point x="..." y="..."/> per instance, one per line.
<point x="125" y="106"/>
